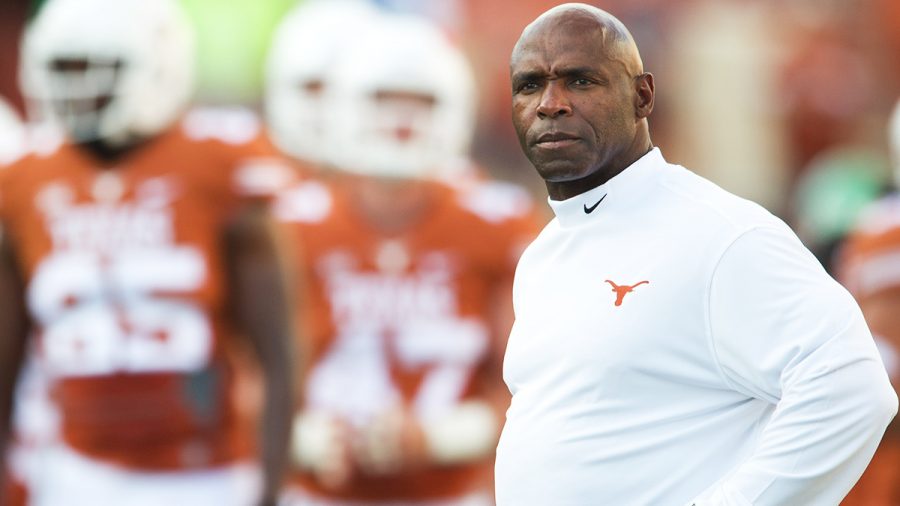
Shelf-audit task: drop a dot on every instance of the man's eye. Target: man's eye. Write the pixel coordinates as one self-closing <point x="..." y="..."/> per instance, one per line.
<point x="527" y="87"/>
<point x="581" y="82"/>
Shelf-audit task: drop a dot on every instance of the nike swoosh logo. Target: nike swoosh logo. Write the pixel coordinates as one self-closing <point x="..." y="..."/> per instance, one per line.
<point x="589" y="210"/>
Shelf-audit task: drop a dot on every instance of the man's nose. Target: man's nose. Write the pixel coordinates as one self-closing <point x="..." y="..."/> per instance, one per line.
<point x="554" y="101"/>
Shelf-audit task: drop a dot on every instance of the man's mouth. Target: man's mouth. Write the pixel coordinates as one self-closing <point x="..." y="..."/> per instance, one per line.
<point x="555" y="140"/>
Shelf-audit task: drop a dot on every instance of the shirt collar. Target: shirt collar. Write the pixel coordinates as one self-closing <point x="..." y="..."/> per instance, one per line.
<point x="622" y="189"/>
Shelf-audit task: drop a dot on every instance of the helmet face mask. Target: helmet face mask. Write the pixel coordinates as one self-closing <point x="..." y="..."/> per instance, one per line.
<point x="401" y="116"/>
<point x="402" y="130"/>
<point x="402" y="102"/>
<point x="114" y="77"/>
<point x="82" y="92"/>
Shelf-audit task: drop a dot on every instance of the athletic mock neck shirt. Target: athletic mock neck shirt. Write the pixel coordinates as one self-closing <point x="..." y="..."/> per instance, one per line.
<point x="677" y="345"/>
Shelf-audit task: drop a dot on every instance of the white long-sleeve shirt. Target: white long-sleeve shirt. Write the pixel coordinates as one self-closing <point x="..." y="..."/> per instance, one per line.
<point x="734" y="371"/>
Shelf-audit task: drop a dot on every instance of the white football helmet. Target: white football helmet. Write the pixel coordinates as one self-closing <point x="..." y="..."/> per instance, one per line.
<point x="110" y="70"/>
<point x="306" y="44"/>
<point x="12" y="134"/>
<point x="894" y="141"/>
<point x="402" y="101"/>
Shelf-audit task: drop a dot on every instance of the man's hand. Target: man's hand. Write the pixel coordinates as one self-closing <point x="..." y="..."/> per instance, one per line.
<point x="322" y="444"/>
<point x="393" y="442"/>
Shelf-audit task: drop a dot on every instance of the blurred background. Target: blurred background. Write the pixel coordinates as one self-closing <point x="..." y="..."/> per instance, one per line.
<point x="781" y="101"/>
<point x="785" y="102"/>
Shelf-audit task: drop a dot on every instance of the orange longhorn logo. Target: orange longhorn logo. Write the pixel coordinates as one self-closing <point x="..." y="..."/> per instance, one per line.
<point x="622" y="290"/>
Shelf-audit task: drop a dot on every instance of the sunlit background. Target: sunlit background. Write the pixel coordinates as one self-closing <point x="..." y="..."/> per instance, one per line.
<point x="781" y="101"/>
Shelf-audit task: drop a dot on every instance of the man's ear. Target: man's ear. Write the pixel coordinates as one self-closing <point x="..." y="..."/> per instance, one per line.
<point x="645" y="92"/>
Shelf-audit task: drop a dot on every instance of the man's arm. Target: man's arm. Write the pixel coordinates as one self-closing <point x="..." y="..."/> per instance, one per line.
<point x="262" y="308"/>
<point x="785" y="332"/>
<point x="13" y="331"/>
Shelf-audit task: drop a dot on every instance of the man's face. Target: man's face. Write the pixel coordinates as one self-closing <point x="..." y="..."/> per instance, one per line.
<point x="573" y="105"/>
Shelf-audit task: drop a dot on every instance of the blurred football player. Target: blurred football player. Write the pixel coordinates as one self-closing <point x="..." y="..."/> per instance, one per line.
<point x="307" y="43"/>
<point x="134" y="256"/>
<point x="869" y="266"/>
<point x="406" y="282"/>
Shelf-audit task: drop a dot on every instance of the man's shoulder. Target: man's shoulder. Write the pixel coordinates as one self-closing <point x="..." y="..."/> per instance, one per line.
<point x="708" y="205"/>
<point x="36" y="179"/>
<point x="226" y="146"/>
<point x="217" y="136"/>
<point x="38" y="164"/>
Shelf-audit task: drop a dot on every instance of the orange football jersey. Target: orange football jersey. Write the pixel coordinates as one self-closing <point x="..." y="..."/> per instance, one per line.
<point x="404" y="318"/>
<point x="123" y="268"/>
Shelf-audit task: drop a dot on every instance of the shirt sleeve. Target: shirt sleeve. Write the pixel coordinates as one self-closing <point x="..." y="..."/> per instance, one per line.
<point x="787" y="333"/>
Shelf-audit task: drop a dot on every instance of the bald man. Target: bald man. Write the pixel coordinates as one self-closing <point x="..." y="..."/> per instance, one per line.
<point x="674" y="344"/>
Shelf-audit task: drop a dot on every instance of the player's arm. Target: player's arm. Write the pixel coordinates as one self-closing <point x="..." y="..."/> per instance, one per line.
<point x="786" y="333"/>
<point x="14" y="325"/>
<point x="260" y="302"/>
